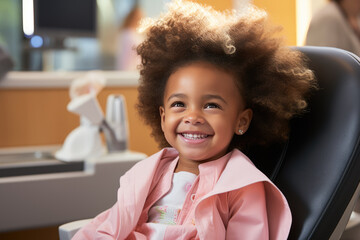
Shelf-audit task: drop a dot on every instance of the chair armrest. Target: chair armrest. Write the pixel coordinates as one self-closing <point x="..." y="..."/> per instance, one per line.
<point x="68" y="230"/>
<point x="354" y="220"/>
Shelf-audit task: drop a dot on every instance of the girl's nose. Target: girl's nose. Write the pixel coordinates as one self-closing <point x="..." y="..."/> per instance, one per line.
<point x="194" y="117"/>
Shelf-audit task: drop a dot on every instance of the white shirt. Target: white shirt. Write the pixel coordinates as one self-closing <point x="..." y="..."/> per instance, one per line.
<point x="167" y="209"/>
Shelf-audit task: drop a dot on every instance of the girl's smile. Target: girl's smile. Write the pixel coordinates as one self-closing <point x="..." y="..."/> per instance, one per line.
<point x="195" y="137"/>
<point x="202" y="110"/>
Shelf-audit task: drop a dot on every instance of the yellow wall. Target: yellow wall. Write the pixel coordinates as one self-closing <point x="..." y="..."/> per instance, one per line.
<point x="281" y="12"/>
<point x="217" y="4"/>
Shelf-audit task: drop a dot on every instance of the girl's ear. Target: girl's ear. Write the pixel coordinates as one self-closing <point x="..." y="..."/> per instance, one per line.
<point x="162" y="116"/>
<point x="244" y="121"/>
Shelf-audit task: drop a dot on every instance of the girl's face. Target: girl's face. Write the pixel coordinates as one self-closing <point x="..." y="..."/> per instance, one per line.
<point x="202" y="110"/>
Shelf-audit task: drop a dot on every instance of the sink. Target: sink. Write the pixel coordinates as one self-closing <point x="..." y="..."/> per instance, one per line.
<point x="29" y="162"/>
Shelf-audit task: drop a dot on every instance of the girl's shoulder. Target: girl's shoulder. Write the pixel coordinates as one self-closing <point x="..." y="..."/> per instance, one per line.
<point x="240" y="170"/>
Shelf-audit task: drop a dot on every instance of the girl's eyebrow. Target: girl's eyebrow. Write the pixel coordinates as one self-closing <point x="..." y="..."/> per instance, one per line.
<point x="176" y="95"/>
<point x="213" y="96"/>
<point x="205" y="97"/>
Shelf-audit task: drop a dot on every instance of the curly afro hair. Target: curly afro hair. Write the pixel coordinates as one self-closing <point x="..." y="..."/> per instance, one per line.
<point x="272" y="78"/>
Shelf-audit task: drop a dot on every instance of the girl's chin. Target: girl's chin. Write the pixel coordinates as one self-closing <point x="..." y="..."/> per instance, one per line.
<point x="193" y="157"/>
<point x="201" y="156"/>
<point x="197" y="157"/>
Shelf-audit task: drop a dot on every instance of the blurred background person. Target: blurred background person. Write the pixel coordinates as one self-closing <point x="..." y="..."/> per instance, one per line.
<point x="128" y="39"/>
<point x="337" y="24"/>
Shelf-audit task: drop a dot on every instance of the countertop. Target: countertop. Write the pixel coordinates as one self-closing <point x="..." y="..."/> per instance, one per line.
<point x="33" y="79"/>
<point x="40" y="200"/>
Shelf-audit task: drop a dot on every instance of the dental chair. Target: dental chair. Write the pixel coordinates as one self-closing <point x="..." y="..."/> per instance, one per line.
<point x="318" y="168"/>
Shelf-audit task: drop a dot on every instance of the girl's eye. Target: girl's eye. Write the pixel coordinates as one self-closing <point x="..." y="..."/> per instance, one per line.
<point x="212" y="105"/>
<point x="177" y="104"/>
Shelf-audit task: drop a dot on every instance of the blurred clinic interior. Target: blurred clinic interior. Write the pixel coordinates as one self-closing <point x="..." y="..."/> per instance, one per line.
<point x="89" y="34"/>
<point x="53" y="50"/>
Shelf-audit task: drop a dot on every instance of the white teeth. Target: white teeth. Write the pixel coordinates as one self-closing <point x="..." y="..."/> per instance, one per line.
<point x="194" y="136"/>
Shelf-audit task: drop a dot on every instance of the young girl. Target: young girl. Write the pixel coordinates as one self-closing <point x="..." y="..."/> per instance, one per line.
<point x="212" y="84"/>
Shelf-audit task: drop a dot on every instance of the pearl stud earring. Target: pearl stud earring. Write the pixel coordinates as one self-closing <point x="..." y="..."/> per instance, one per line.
<point x="241" y="132"/>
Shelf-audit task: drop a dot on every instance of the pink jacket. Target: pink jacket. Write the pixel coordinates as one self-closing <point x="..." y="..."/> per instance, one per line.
<point x="130" y="211"/>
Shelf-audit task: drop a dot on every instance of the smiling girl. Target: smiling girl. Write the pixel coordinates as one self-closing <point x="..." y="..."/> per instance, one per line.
<point x="202" y="111"/>
<point x="212" y="85"/>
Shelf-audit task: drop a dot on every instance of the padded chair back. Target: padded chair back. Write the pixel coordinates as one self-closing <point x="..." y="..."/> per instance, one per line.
<point x="318" y="169"/>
